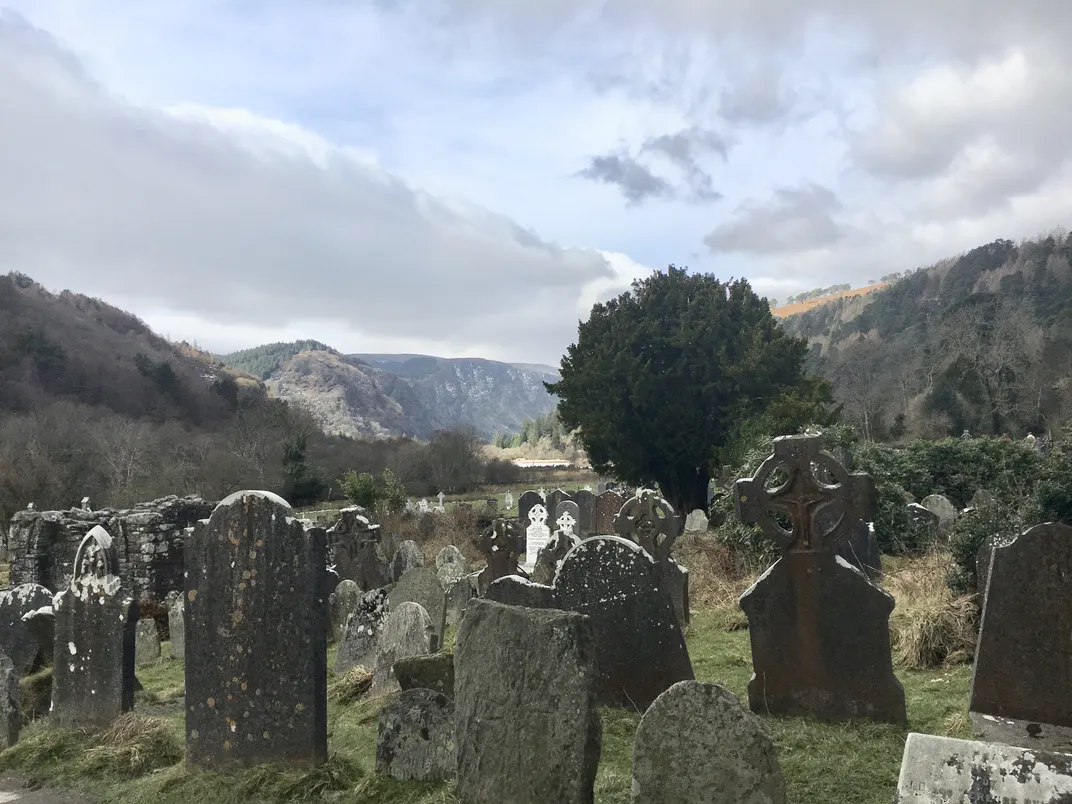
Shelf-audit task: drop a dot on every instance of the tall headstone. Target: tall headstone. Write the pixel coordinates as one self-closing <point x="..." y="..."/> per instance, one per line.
<point x="554" y="552"/>
<point x="10" y="720"/>
<point x="529" y="737"/>
<point x="697" y="745"/>
<point x="408" y="556"/>
<point x="408" y="632"/>
<point x="341" y="604"/>
<point x="508" y="501"/>
<point x="943" y="770"/>
<point x="421" y="585"/>
<point x="524" y="505"/>
<point x="256" y="609"/>
<point x="93" y="657"/>
<point x="362" y="633"/>
<point x="554" y="499"/>
<point x="177" y="628"/>
<point x="819" y="628"/>
<point x="586" y="510"/>
<point x="537" y="534"/>
<point x="146" y="643"/>
<point x="649" y="520"/>
<point x="1023" y="661"/>
<point x="17" y="640"/>
<point x="608" y="504"/>
<point x="356" y="550"/>
<point x="502" y="544"/>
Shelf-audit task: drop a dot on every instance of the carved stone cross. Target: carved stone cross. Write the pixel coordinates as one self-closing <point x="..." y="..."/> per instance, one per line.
<point x="648" y="520"/>
<point x="803" y="496"/>
<point x="501" y="544"/>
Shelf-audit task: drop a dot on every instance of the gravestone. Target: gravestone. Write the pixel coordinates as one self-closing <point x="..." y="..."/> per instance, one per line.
<point x="982" y="561"/>
<point x="357" y="551"/>
<point x="859" y="547"/>
<point x="256" y="611"/>
<point x="943" y="770"/>
<point x="586" y="510"/>
<point x="551" y="556"/>
<point x="93" y="657"/>
<point x="982" y="499"/>
<point x="608" y="504"/>
<point x="422" y="506"/>
<point x="697" y="745"/>
<point x="508" y="501"/>
<point x="819" y="628"/>
<point x="502" y="544"/>
<point x="514" y="590"/>
<point x="459" y="592"/>
<point x="441" y="497"/>
<point x="696" y="522"/>
<point x="554" y="499"/>
<point x="1023" y="661"/>
<point x="341" y="604"/>
<point x="362" y="633"/>
<point x="537" y="534"/>
<point x="421" y="585"/>
<point x="567" y="507"/>
<point x="530" y="737"/>
<point x="17" y="640"/>
<point x="146" y="643"/>
<point x="177" y="629"/>
<point x="408" y="556"/>
<point x="942" y="508"/>
<point x="10" y="720"/>
<point x="416" y="737"/>
<point x="408" y="632"/>
<point x="434" y="672"/>
<point x="524" y="505"/>
<point x="451" y="555"/>
<point x="641" y="649"/>
<point x="649" y="520"/>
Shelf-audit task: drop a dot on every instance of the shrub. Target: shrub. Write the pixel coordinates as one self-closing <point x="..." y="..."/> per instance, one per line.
<point x="968" y="534"/>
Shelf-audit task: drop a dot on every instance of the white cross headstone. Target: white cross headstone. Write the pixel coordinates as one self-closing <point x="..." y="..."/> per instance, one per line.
<point x="30" y="506"/>
<point x="410" y="506"/>
<point x="508" y="501"/>
<point x="423" y="505"/>
<point x="567" y="525"/>
<point x="85" y="504"/>
<point x="542" y="493"/>
<point x="441" y="497"/>
<point x="537" y="534"/>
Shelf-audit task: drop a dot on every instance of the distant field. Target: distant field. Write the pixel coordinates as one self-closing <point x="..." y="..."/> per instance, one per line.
<point x="793" y="309"/>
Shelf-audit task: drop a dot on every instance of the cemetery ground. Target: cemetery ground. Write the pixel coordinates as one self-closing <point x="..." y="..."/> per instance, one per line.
<point x="140" y="758"/>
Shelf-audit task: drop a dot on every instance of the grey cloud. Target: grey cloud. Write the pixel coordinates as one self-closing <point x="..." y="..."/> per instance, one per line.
<point x="758" y="97"/>
<point x="104" y="197"/>
<point x="796" y="219"/>
<point x="636" y="182"/>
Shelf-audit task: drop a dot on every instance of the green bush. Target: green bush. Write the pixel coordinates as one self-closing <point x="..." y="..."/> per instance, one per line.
<point x="1053" y="492"/>
<point x="383" y="494"/>
<point x="967" y="536"/>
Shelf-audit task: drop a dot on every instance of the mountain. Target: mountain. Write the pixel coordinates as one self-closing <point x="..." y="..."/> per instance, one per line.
<point x="979" y="342"/>
<point x="384" y="395"/>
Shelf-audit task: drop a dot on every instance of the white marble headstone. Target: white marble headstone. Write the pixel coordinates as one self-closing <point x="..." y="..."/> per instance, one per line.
<point x="536" y="535"/>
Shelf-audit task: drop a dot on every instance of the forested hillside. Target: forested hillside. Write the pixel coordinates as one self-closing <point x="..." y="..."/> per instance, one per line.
<point x="981" y="342"/>
<point x="263" y="361"/>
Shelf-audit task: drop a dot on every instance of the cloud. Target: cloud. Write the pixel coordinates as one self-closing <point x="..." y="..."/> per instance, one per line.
<point x="636" y="182"/>
<point x="796" y="219"/>
<point x="221" y="214"/>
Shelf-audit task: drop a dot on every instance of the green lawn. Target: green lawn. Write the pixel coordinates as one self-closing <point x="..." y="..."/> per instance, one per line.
<point x="822" y="763"/>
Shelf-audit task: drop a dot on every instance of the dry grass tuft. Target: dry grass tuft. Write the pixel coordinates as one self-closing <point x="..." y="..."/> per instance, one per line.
<point x="132" y="746"/>
<point x="350" y="686"/>
<point x="930" y="627"/>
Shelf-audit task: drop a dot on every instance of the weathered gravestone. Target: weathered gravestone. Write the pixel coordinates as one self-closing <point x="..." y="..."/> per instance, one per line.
<point x="93" y="657"/>
<point x="554" y="500"/>
<point x="696" y="745"/>
<point x="256" y="609"/>
<point x="537" y="534"/>
<point x="566" y="507"/>
<point x="608" y="504"/>
<point x="502" y="544"/>
<point x="942" y="508"/>
<point x="641" y="649"/>
<point x="451" y="555"/>
<point x="550" y="557"/>
<point x="177" y="629"/>
<point x="819" y="628"/>
<point x="408" y="556"/>
<point x="943" y="770"/>
<point x="982" y="499"/>
<point x="416" y="736"/>
<point x="696" y="522"/>
<point x="341" y="604"/>
<point x="586" y="510"/>
<point x="1023" y="662"/>
<point x="10" y="720"/>
<point x="513" y="590"/>
<point x="524" y="505"/>
<point x="146" y="643"/>
<point x="982" y="560"/>
<point x="649" y="520"/>
<point x="356" y="550"/>
<point x="408" y="632"/>
<point x="362" y="632"/>
<point x="421" y="585"/>
<point x="508" y="501"/>
<point x="530" y="737"/>
<point x="17" y="640"/>
<point x="433" y="672"/>
<point x="458" y="588"/>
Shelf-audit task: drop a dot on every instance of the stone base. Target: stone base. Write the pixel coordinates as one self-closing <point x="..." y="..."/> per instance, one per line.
<point x="1021" y="733"/>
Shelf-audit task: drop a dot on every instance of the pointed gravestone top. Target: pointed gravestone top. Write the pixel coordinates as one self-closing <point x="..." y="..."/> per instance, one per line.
<point x="819" y="628"/>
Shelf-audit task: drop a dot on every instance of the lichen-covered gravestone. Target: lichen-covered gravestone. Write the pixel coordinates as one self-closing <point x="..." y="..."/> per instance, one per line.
<point x="362" y="632"/>
<point x="17" y="640"/>
<point x="943" y="770"/>
<point x="146" y="643"/>
<point x="819" y="628"/>
<point x="586" y="509"/>
<point x="941" y="507"/>
<point x="408" y="632"/>
<point x="341" y="604"/>
<point x="177" y="629"/>
<point x="608" y="504"/>
<point x="408" y="556"/>
<point x="93" y="658"/>
<point x="256" y="609"/>
<point x="9" y="702"/>
<point x="537" y="534"/>
<point x="451" y="555"/>
<point x="356" y="550"/>
<point x="421" y="585"/>
<point x="530" y="737"/>
<point x="1023" y="661"/>
<point x="648" y="519"/>
<point x="502" y="544"/>
<point x="416" y="737"/>
<point x="696" y="745"/>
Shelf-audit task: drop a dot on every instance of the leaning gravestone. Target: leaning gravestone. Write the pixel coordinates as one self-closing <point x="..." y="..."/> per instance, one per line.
<point x="696" y="745"/>
<point x="421" y="585"/>
<point x="146" y="643"/>
<point x="362" y="633"/>
<point x="177" y="629"/>
<point x="408" y="556"/>
<point x="982" y="560"/>
<point x="502" y="544"/>
<point x="1023" y="662"/>
<point x="408" y="632"/>
<point x="93" y="658"/>
<point x="529" y="737"/>
<point x="256" y="678"/>
<point x="341" y="604"/>
<point x="357" y="551"/>
<point x="416" y="737"/>
<point x="17" y="640"/>
<point x="943" y="770"/>
<point x="819" y="628"/>
<point x="524" y="505"/>
<point x="608" y="504"/>
<point x="10" y="720"/>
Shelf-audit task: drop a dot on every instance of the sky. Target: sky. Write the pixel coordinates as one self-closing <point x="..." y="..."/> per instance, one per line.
<point x="468" y="177"/>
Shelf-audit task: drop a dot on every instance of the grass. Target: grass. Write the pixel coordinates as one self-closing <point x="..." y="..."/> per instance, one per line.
<point x="140" y="759"/>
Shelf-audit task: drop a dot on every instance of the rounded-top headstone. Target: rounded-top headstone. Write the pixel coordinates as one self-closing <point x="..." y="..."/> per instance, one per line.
<point x="238" y="495"/>
<point x="408" y="556"/>
<point x="408" y="632"/>
<point x="696" y="744"/>
<point x="17" y="640"/>
<point x="940" y="506"/>
<point x="341" y="604"/>
<point x="451" y="555"/>
<point x="146" y="642"/>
